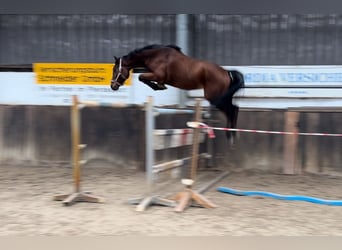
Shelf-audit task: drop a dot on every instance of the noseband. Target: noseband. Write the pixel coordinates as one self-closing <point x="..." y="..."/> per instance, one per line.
<point x="120" y="73"/>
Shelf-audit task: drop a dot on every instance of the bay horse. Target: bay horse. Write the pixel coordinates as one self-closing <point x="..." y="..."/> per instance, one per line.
<point x="167" y="65"/>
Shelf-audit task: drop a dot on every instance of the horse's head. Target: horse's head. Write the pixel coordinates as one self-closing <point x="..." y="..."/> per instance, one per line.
<point x="120" y="74"/>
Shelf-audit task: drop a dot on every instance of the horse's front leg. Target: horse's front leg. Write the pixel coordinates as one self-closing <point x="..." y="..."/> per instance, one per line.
<point x="150" y="80"/>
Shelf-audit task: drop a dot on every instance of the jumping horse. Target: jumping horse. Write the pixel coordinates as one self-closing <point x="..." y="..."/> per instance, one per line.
<point x="167" y="65"/>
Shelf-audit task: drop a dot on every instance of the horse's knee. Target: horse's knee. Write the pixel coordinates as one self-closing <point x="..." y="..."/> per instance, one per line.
<point x="142" y="78"/>
<point x="153" y="85"/>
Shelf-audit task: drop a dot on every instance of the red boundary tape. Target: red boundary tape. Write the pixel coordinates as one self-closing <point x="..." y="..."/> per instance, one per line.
<point x="210" y="131"/>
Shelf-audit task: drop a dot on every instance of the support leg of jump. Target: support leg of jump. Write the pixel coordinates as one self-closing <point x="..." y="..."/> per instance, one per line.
<point x="150" y="199"/>
<point x="197" y="198"/>
<point x="144" y="203"/>
<point x="213" y="182"/>
<point x="290" y="165"/>
<point x="189" y="197"/>
<point x="69" y="199"/>
<point x="184" y="199"/>
<point x="77" y="196"/>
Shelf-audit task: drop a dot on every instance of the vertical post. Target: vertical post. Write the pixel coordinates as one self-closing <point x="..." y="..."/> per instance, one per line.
<point x="186" y="197"/>
<point x="149" y="121"/>
<point x="75" y="138"/>
<point x="195" y="141"/>
<point x="210" y="142"/>
<point x="182" y="34"/>
<point x="143" y="203"/>
<point x="291" y="143"/>
<point x="77" y="196"/>
<point x="30" y="137"/>
<point x="2" y="135"/>
<point x="312" y="153"/>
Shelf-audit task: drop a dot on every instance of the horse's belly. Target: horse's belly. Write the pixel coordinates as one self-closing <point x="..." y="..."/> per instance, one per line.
<point x="187" y="85"/>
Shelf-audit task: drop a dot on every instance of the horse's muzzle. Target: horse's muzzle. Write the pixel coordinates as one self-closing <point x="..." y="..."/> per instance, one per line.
<point x="115" y="85"/>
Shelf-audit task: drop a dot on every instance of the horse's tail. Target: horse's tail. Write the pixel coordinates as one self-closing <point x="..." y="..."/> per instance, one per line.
<point x="232" y="111"/>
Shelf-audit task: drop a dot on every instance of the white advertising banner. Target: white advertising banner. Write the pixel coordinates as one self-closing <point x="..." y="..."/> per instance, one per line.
<point x="326" y="76"/>
<point x="52" y="84"/>
<point x="55" y="83"/>
<point x="22" y="89"/>
<point x="288" y="87"/>
<point x="291" y="76"/>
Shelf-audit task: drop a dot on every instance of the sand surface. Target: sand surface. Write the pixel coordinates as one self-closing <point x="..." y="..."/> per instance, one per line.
<point x="27" y="205"/>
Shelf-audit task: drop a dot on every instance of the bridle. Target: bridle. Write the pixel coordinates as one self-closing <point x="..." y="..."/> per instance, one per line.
<point x="120" y="74"/>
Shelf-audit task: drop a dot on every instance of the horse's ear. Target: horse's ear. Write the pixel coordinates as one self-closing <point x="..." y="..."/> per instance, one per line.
<point x="115" y="58"/>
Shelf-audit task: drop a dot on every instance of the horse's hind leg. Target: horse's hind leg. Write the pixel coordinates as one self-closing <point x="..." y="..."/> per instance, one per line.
<point x="231" y="123"/>
<point x="149" y="80"/>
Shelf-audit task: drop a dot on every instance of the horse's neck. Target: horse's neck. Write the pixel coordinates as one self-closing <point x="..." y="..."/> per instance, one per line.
<point x="144" y="58"/>
<point x="135" y="61"/>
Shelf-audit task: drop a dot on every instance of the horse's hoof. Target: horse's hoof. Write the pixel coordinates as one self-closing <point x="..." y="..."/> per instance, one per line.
<point x="161" y="86"/>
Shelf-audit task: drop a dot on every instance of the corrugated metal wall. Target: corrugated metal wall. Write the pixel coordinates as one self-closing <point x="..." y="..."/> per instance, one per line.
<point x="270" y="39"/>
<point x="79" y="38"/>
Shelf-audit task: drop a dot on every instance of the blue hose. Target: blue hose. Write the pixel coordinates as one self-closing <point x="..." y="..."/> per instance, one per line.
<point x="280" y="197"/>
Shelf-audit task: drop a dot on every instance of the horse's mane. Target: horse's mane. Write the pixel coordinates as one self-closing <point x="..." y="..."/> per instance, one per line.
<point x="152" y="46"/>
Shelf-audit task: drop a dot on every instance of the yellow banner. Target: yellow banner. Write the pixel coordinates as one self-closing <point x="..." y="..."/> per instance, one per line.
<point x="75" y="73"/>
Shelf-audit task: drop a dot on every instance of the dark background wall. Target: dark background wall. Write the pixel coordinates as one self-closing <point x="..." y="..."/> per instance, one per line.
<point x="39" y="135"/>
<point x="270" y="39"/>
<point x="79" y="38"/>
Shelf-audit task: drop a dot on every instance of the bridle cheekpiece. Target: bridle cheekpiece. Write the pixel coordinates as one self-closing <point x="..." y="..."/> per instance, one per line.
<point x="120" y="73"/>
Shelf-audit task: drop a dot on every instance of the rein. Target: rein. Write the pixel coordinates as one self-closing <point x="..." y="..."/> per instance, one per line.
<point x="120" y="73"/>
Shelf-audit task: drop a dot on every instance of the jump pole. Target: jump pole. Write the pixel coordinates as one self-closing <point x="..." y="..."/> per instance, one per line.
<point x="77" y="195"/>
<point x="188" y="195"/>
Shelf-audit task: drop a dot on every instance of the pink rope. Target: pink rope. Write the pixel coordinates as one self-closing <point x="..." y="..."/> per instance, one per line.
<point x="211" y="134"/>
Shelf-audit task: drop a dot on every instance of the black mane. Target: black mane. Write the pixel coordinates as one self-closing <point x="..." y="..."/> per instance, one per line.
<point x="174" y="47"/>
<point x="152" y="46"/>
